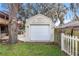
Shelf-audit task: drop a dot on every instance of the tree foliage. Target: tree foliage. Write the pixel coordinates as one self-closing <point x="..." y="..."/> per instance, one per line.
<point x="53" y="10"/>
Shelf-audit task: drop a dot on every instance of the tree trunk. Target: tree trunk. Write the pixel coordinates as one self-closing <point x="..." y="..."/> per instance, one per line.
<point x="12" y="24"/>
<point x="72" y="32"/>
<point x="12" y="32"/>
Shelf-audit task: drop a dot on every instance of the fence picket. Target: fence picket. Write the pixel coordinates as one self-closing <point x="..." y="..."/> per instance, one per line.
<point x="70" y="43"/>
<point x="73" y="45"/>
<point x="62" y="35"/>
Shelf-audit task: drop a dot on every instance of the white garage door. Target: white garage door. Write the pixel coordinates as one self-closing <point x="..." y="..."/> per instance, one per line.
<point x="40" y="32"/>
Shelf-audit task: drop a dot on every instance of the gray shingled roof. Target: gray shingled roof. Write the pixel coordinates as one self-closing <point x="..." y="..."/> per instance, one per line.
<point x="70" y="24"/>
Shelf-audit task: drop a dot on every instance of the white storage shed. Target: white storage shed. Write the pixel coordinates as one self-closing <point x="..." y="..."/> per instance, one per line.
<point x="39" y="28"/>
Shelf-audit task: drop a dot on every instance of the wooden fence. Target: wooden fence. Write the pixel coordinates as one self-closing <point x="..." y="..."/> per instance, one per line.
<point x="69" y="44"/>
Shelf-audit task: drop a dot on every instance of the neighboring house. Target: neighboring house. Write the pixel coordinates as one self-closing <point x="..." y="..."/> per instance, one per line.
<point x="39" y="28"/>
<point x="4" y="20"/>
<point x="71" y="28"/>
<point x="70" y="25"/>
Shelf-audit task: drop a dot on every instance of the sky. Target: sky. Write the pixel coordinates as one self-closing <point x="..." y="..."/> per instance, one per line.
<point x="67" y="18"/>
<point x="1" y="8"/>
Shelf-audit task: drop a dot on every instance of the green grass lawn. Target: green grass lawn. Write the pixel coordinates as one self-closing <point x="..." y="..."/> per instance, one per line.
<point x="28" y="49"/>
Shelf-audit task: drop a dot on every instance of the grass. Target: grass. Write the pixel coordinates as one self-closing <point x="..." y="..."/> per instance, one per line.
<point x="28" y="49"/>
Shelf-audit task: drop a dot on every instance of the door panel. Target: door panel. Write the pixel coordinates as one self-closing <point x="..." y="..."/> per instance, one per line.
<point x="40" y="32"/>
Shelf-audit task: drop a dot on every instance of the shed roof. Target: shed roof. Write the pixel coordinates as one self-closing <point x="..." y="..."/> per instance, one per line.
<point x="39" y="16"/>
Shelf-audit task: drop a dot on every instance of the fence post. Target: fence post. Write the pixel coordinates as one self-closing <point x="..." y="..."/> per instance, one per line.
<point x="76" y="46"/>
<point x="62" y="42"/>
